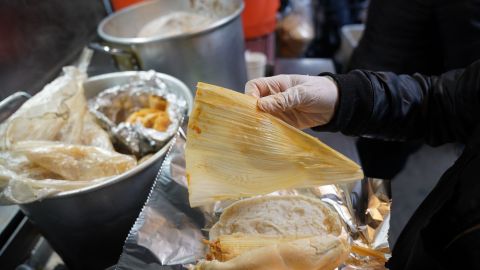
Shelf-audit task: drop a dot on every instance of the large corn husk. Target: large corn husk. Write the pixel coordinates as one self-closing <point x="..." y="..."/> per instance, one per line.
<point x="324" y="252"/>
<point x="234" y="150"/>
<point x="227" y="247"/>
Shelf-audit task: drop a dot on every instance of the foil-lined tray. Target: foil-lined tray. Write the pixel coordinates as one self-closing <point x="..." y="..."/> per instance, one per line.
<point x="112" y="106"/>
<point x="168" y="233"/>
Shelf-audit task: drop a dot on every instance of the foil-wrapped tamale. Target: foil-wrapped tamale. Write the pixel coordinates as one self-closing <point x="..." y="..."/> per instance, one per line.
<point x="141" y="115"/>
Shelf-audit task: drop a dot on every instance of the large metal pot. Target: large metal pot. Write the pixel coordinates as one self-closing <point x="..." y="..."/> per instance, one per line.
<point x="87" y="227"/>
<point x="214" y="55"/>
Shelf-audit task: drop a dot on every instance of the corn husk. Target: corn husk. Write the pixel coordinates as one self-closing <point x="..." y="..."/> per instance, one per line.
<point x="314" y="252"/>
<point x="227" y="247"/>
<point x="234" y="150"/>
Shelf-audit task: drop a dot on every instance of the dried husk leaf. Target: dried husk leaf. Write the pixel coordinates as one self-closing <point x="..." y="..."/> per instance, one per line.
<point x="227" y="247"/>
<point x="234" y="150"/>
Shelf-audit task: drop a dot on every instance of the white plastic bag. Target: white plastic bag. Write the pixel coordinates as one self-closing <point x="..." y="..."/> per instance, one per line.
<point x="57" y="113"/>
<point x="52" y="144"/>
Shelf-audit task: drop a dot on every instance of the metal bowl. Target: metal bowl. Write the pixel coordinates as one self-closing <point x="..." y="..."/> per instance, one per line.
<point x="87" y="227"/>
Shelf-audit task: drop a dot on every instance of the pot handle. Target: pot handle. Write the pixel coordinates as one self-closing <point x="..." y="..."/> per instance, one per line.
<point x="125" y="58"/>
<point x="108" y="49"/>
<point x="11" y="103"/>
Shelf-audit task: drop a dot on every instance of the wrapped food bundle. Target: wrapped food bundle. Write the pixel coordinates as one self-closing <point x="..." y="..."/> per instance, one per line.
<point x="141" y="115"/>
<point x="53" y="144"/>
<point x="300" y="214"/>
<point x="274" y="233"/>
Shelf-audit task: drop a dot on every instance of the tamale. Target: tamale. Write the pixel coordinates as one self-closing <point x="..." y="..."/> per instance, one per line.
<point x="235" y="150"/>
<point x="324" y="252"/>
<point x="227" y="247"/>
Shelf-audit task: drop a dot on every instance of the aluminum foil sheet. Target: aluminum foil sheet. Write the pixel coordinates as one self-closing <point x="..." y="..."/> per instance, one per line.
<point x="168" y="233"/>
<point x="113" y="105"/>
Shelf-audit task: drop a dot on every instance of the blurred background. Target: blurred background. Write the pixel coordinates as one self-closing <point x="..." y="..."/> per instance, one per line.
<point x="39" y="37"/>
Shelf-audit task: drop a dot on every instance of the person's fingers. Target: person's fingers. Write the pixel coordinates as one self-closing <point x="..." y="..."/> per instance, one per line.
<point x="257" y="87"/>
<point x="283" y="101"/>
<point x="288" y="117"/>
<point x="272" y="104"/>
<point x="294" y="97"/>
<point x="262" y="87"/>
<point x="276" y="105"/>
<point x="251" y="89"/>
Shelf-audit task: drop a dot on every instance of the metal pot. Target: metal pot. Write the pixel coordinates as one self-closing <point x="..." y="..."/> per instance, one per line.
<point x="213" y="55"/>
<point x="87" y="227"/>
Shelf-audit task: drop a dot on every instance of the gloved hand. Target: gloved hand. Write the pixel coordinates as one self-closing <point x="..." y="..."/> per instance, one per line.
<point x="302" y="101"/>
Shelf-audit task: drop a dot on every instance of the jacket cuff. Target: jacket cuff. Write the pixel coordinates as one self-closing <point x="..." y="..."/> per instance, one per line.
<point x="355" y="104"/>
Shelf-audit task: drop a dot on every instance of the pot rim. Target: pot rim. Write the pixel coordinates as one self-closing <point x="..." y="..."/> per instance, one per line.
<point x="128" y="174"/>
<point x="143" y="40"/>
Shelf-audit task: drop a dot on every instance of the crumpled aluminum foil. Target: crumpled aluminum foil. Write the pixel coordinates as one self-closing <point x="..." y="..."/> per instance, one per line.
<point x="168" y="233"/>
<point x="113" y="105"/>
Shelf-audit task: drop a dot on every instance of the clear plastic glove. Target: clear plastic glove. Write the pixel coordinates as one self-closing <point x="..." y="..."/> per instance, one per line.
<point x="300" y="100"/>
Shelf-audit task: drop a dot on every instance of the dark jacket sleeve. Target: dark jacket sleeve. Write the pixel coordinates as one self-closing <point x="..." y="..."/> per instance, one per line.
<point x="436" y="109"/>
